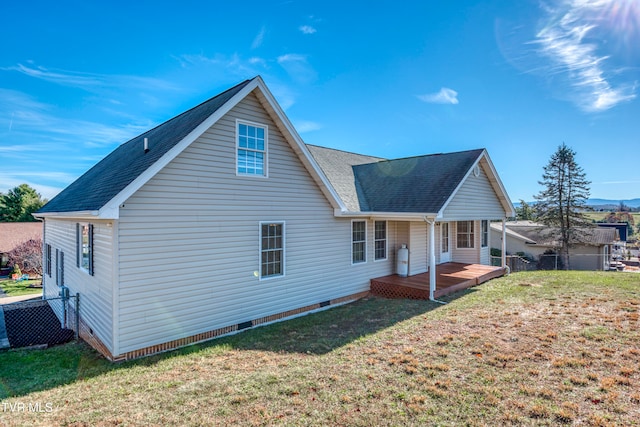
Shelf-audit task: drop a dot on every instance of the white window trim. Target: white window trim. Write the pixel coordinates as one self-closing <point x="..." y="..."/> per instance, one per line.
<point x="59" y="267"/>
<point x="284" y="250"/>
<point x="473" y="241"/>
<point x="48" y="260"/>
<point x="266" y="148"/>
<point x="365" y="242"/>
<point x="90" y="244"/>
<point x="386" y="241"/>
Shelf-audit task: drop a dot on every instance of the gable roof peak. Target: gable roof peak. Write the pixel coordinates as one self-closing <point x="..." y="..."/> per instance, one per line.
<point x="120" y="168"/>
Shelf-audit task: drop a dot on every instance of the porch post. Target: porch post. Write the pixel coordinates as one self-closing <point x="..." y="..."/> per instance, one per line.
<point x="432" y="258"/>
<point x="504" y="243"/>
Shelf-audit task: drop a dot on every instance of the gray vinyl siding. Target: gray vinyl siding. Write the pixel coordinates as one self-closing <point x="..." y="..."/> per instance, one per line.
<point x="515" y="245"/>
<point x="189" y="250"/>
<point x="418" y="244"/>
<point x="475" y="199"/>
<point x="583" y="257"/>
<point x="96" y="292"/>
<point x="485" y="256"/>
<point x="465" y="255"/>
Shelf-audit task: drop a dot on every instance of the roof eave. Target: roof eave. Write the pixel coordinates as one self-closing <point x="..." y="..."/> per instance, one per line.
<point x="404" y="216"/>
<point x="70" y="215"/>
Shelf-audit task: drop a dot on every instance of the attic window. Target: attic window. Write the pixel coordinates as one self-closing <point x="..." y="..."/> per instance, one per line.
<point x="251" y="143"/>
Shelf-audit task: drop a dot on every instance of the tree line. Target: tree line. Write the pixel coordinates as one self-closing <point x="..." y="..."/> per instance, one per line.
<point x="19" y="203"/>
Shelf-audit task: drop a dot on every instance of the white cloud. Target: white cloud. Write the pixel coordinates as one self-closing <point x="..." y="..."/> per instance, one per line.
<point x="303" y="126"/>
<point x="257" y="41"/>
<point x="291" y="57"/>
<point x="307" y="29"/>
<point x="445" y="96"/>
<point x="94" y="82"/>
<point x="30" y="117"/>
<point x="569" y="41"/>
<point x="297" y="67"/>
<point x="220" y="67"/>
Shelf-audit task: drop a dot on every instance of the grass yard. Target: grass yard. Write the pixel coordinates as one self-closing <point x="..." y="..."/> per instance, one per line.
<point x="13" y="289"/>
<point x="599" y="216"/>
<point x="537" y="348"/>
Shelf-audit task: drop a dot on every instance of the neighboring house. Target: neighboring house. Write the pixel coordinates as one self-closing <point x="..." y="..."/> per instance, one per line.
<point x="221" y="219"/>
<point x="591" y="251"/>
<point x="619" y="250"/>
<point x="621" y="228"/>
<point x="12" y="234"/>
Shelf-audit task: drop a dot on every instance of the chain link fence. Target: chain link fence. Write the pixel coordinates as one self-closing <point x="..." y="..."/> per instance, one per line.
<point x="554" y="261"/>
<point x="41" y="322"/>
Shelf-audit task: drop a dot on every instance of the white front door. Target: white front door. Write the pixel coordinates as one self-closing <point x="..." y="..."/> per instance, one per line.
<point x="445" y="243"/>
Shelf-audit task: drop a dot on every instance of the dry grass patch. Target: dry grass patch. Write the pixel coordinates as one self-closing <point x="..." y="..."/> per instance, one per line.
<point x="498" y="354"/>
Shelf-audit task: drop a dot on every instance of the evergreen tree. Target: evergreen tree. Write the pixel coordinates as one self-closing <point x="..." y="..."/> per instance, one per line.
<point x="19" y="203"/>
<point x="525" y="212"/>
<point x="564" y="198"/>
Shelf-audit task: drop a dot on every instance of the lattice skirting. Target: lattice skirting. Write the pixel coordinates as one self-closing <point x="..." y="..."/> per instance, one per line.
<point x="388" y="290"/>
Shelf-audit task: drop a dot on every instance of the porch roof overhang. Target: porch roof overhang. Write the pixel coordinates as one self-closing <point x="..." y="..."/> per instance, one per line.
<point x="404" y="216"/>
<point x="400" y="216"/>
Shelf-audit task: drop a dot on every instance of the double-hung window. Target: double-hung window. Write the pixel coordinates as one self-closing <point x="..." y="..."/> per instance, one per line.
<point x="484" y="232"/>
<point x="465" y="234"/>
<point x="380" y="240"/>
<point x="271" y="249"/>
<point x="358" y="242"/>
<point x="251" y="149"/>
<point x="84" y="245"/>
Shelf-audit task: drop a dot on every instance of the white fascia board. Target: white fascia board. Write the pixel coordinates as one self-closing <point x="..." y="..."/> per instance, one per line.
<point x="300" y="148"/>
<point x="402" y="216"/>
<point x="70" y="215"/>
<point x="112" y="208"/>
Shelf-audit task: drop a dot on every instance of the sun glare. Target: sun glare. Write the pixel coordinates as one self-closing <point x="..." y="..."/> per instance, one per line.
<point x="622" y="18"/>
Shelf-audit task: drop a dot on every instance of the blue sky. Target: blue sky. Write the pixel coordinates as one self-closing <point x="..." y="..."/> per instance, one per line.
<point x="385" y="78"/>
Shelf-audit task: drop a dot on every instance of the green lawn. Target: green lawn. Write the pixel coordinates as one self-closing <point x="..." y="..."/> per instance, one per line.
<point x="599" y="216"/>
<point x="536" y="348"/>
<point x="14" y="289"/>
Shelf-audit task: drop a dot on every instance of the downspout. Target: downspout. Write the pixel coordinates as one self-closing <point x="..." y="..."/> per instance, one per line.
<point x="432" y="260"/>
<point x="44" y="257"/>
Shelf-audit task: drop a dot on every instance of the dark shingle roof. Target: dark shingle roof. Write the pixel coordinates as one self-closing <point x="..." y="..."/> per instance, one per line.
<point x="414" y="184"/>
<point x="337" y="166"/>
<point x="112" y="174"/>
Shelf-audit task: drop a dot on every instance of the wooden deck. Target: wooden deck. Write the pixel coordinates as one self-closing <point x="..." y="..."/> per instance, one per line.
<point x="450" y="277"/>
